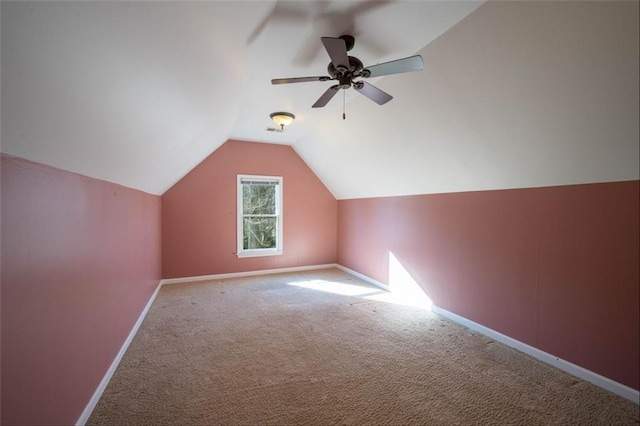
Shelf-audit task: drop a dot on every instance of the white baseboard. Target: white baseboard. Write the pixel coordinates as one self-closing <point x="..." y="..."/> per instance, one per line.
<point x="84" y="417"/>
<point x="246" y="274"/>
<point x="573" y="369"/>
<point x="598" y="380"/>
<point x="114" y="365"/>
<point x="364" y="277"/>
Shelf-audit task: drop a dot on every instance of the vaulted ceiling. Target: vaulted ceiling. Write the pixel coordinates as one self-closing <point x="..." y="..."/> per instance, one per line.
<point x="513" y="94"/>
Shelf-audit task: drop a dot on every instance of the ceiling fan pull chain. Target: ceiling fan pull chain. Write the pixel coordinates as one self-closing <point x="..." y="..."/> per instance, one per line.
<point x="344" y="115"/>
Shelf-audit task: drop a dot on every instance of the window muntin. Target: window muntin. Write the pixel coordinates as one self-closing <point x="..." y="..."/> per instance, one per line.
<point x="259" y="215"/>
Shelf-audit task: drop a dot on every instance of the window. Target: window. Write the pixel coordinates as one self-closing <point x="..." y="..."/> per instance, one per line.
<point x="259" y="216"/>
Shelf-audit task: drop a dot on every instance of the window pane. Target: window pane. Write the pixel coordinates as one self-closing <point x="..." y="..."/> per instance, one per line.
<point x="259" y="232"/>
<point x="258" y="199"/>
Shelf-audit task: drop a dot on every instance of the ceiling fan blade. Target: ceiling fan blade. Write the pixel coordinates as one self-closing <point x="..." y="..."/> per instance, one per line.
<point x="278" y="14"/>
<point x="372" y="92"/>
<point x="299" y="79"/>
<point x="337" y="50"/>
<point x="412" y="63"/>
<point x="326" y="96"/>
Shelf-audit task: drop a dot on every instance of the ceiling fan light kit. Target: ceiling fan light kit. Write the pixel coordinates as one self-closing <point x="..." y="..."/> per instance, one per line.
<point x="345" y="69"/>
<point x="282" y="118"/>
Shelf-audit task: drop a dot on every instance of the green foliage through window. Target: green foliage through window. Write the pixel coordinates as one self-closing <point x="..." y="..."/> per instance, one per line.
<point x="259" y="215"/>
<point x="258" y="199"/>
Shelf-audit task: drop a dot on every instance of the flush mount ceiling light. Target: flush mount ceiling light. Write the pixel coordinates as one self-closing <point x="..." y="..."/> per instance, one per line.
<point x="282" y="118"/>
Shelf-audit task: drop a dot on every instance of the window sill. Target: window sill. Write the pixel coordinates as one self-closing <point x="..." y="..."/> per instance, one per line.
<point x="259" y="253"/>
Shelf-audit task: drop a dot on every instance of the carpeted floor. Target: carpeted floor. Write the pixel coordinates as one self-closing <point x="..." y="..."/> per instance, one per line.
<point x="290" y="349"/>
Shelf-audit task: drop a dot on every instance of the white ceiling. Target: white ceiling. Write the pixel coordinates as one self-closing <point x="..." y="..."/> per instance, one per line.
<point x="514" y="94"/>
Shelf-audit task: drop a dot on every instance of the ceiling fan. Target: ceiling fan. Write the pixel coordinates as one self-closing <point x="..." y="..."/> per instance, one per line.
<point x="345" y="69"/>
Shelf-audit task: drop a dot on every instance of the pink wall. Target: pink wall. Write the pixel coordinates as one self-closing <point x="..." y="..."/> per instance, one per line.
<point x="556" y="268"/>
<point x="199" y="213"/>
<point x="80" y="259"/>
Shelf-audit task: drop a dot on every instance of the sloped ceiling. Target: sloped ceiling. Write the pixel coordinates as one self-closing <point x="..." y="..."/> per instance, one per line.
<point x="513" y="94"/>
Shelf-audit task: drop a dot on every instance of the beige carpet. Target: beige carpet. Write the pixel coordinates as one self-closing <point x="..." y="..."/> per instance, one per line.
<point x="281" y="349"/>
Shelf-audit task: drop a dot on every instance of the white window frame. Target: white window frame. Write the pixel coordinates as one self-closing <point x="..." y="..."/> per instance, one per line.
<point x="278" y="250"/>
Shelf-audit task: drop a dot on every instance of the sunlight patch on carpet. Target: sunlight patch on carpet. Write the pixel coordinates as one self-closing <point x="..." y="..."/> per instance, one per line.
<point x="334" y="287"/>
<point x="404" y="288"/>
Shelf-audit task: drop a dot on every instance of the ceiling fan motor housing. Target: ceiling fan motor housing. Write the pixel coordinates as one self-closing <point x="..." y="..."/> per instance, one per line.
<point x="355" y="67"/>
<point x="344" y="81"/>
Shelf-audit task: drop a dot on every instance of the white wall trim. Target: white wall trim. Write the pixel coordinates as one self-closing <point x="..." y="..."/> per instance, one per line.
<point x="86" y="413"/>
<point x="84" y="417"/>
<point x="246" y="274"/>
<point x="598" y="380"/>
<point x="573" y="369"/>
<point x="364" y="277"/>
<point x="259" y="253"/>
